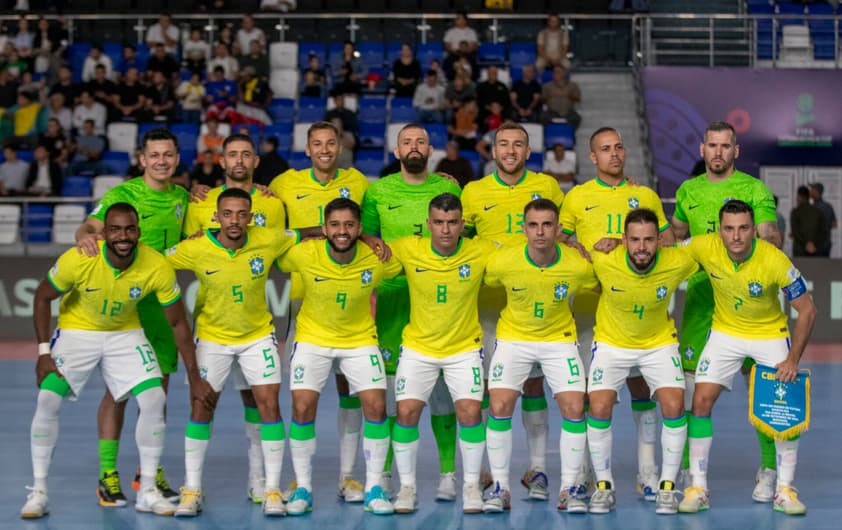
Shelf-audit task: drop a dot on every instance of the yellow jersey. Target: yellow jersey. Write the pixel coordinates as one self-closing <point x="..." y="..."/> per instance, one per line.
<point x="494" y="209"/>
<point x="443" y="290"/>
<point x="633" y="311"/>
<point x="267" y="212"/>
<point x="99" y="297"/>
<point x="305" y="196"/>
<point x="231" y="302"/>
<point x="746" y="294"/>
<point x="538" y="298"/>
<point x="596" y="210"/>
<point x="336" y="312"/>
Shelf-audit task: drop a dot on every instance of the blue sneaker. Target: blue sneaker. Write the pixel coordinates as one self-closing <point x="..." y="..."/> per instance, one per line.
<point x="300" y="502"/>
<point x="377" y="502"/>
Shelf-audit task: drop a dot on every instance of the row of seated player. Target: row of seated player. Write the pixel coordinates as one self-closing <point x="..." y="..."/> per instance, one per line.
<point x="770" y="32"/>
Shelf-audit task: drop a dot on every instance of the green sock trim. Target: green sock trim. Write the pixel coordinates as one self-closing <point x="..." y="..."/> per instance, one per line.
<point x="486" y="402"/>
<point x="404" y="435"/>
<point x="768" y="453"/>
<point x="599" y="424"/>
<point x="197" y="430"/>
<point x="349" y="402"/>
<point x="108" y="450"/>
<point x="575" y="427"/>
<point x="55" y="384"/>
<point x="499" y="424"/>
<point x="642" y="405"/>
<point x="375" y="430"/>
<point x="302" y="431"/>
<point x="473" y="434"/>
<point x="700" y="427"/>
<point x="146" y="385"/>
<point x="532" y="404"/>
<point x="685" y="457"/>
<point x="675" y="423"/>
<point x="251" y="414"/>
<point x="272" y="432"/>
<point x="387" y="466"/>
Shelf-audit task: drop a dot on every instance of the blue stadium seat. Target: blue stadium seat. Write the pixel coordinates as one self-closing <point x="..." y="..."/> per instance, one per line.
<point x="143" y="128"/>
<point x="26" y="155"/>
<point x="438" y="134"/>
<point x="115" y="51"/>
<point x="38" y="223"/>
<point x="307" y="48"/>
<point x="535" y="162"/>
<point x="142" y="55"/>
<point x="372" y="110"/>
<point x="281" y="131"/>
<point x="118" y="162"/>
<point x="475" y="160"/>
<point x="311" y="109"/>
<point x="521" y="54"/>
<point x="187" y="133"/>
<point x="369" y="162"/>
<point x="334" y="55"/>
<point x="787" y="8"/>
<point x="760" y="7"/>
<point x="821" y="32"/>
<point x="76" y="54"/>
<point x="372" y="54"/>
<point x="401" y="110"/>
<point x="492" y="53"/>
<point x="189" y="156"/>
<point x="76" y="186"/>
<point x="372" y="135"/>
<point x="426" y="52"/>
<point x="282" y="110"/>
<point x="299" y="160"/>
<point x="559" y="133"/>
<point x="393" y="52"/>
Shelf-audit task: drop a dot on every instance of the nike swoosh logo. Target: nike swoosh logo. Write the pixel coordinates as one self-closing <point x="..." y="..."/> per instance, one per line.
<point x="376" y="379"/>
<point x="516" y="289"/>
<point x="391" y="207"/>
<point x="476" y="390"/>
<point x="89" y="290"/>
<point x="147" y="216"/>
<point x="150" y="368"/>
<point x="320" y="279"/>
<point x="268" y="374"/>
<point x="712" y="275"/>
<point x="589" y="208"/>
<point x="211" y="272"/>
<point x="420" y="270"/>
<point x="679" y="379"/>
<point x="615" y="290"/>
<point x="299" y="197"/>
<point x="490" y="206"/>
<point x="694" y="206"/>
<point x="572" y="381"/>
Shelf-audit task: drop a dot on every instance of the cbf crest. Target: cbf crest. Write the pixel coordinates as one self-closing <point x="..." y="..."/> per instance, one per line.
<point x="755" y="289"/>
<point x="366" y="277"/>
<point x="179" y="211"/>
<point x="465" y="271"/>
<point x="560" y="291"/>
<point x="536" y="196"/>
<point x="260" y="219"/>
<point x="497" y="372"/>
<point x="345" y="193"/>
<point x="134" y="292"/>
<point x="661" y="292"/>
<point x="256" y="266"/>
<point x="634" y="203"/>
<point x="298" y="373"/>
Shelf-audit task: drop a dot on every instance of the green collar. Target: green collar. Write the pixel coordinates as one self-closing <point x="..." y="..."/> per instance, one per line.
<point x="329" y="255"/>
<point x="607" y="185"/>
<point x="117" y="271"/>
<point x="211" y="233"/>
<point x="637" y="272"/>
<point x="319" y="182"/>
<point x="504" y="183"/>
<point x="555" y="261"/>
<point x="252" y="192"/>
<point x="750" y="254"/>
<point x="436" y="252"/>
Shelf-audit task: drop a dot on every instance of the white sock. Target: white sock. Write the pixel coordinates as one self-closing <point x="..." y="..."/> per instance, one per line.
<point x="405" y="456"/>
<point x="699" y="453"/>
<point x="255" y="450"/>
<point x="787" y="460"/>
<point x="302" y="452"/>
<point x="348" y="422"/>
<point x="499" y="446"/>
<point x="599" y="443"/>
<point x="149" y="433"/>
<point x="471" y="460"/>
<point x="43" y="436"/>
<point x="537" y="431"/>
<point x="672" y="449"/>
<point x="194" y="461"/>
<point x="375" y="451"/>
<point x="646" y="422"/>
<point x="273" y="457"/>
<point x="572" y="450"/>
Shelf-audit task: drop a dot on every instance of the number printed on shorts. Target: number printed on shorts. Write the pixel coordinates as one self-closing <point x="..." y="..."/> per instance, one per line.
<point x="269" y="358"/>
<point x="573" y="366"/>
<point x="477" y="376"/>
<point x="147" y="355"/>
<point x="375" y="361"/>
<point x="441" y="294"/>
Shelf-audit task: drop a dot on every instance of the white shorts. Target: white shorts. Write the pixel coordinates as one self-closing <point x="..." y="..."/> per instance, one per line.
<point x="417" y="374"/>
<point x="125" y="358"/>
<point x="512" y="363"/>
<point x="310" y="365"/>
<point x="724" y="355"/>
<point x="610" y="366"/>
<point x="255" y="363"/>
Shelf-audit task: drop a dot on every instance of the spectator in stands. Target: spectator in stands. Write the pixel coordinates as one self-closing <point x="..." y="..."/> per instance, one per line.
<point x="56" y="109"/>
<point x="492" y="90"/>
<point x="810" y="234"/>
<point x="349" y="71"/>
<point x="406" y="73"/>
<point x="48" y="46"/>
<point x="494" y="117"/>
<point x="86" y="152"/>
<point x="553" y="45"/>
<point x="44" y="178"/>
<point x="453" y="39"/>
<point x="129" y="98"/>
<point x="257" y="59"/>
<point x="8" y="90"/>
<point x="89" y="109"/>
<point x="130" y="60"/>
<point x="226" y="37"/>
<point x="278" y="5"/>
<point x="254" y="97"/>
<point x="211" y="140"/>
<point x="816" y="193"/>
<point x="208" y="5"/>
<point x="222" y="58"/>
<point x="164" y="32"/>
<point x="24" y="39"/>
<point x="429" y="100"/>
<point x="55" y="140"/>
<point x="220" y="95"/>
<point x="271" y="164"/>
<point x="26" y="120"/>
<point x="483" y="148"/>
<point x="206" y="172"/>
<point x="161" y="61"/>
<point x="560" y="97"/>
<point x="441" y="78"/>
<point x="29" y="84"/>
<point x="463" y="128"/>
<point x="526" y="96"/>
<point x="160" y="98"/>
<point x="455" y="165"/>
<point x="96" y="57"/>
<point x="345" y="120"/>
<point x="560" y="164"/>
<point x="15" y="64"/>
<point x="457" y="92"/>
<point x="315" y="81"/>
<point x="66" y="86"/>
<point x="463" y="62"/>
<point x="196" y="52"/>
<point x="13" y="173"/>
<point x="248" y="33"/>
<point x="101" y="89"/>
<point x="191" y="93"/>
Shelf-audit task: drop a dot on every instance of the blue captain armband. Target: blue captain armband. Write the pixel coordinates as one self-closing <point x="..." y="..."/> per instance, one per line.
<point x="795" y="289"/>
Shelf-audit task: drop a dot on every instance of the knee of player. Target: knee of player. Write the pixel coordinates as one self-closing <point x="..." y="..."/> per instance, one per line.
<point x="373" y="404"/>
<point x="269" y="409"/>
<point x="572" y="405"/>
<point x="501" y="404"/>
<point x="304" y="404"/>
<point x="672" y="404"/>
<point x="601" y="404"/>
<point x="468" y="411"/>
<point x="409" y="412"/>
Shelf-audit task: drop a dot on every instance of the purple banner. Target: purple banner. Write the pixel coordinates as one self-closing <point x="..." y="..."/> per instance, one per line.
<point x="782" y="117"/>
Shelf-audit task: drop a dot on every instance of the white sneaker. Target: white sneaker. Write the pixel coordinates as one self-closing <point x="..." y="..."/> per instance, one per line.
<point x="696" y="499"/>
<point x="351" y="491"/>
<point x="190" y="504"/>
<point x="569" y="502"/>
<point x="152" y="500"/>
<point x="447" y="487"/>
<point x="647" y="484"/>
<point x="257" y="485"/>
<point x="602" y="500"/>
<point x="273" y="503"/>
<point x="35" y="505"/>
<point x="471" y="498"/>
<point x="377" y="502"/>
<point x="764" y="485"/>
<point x="407" y="500"/>
<point x="666" y="502"/>
<point x="498" y="501"/>
<point x="786" y="501"/>
<point x="537" y="483"/>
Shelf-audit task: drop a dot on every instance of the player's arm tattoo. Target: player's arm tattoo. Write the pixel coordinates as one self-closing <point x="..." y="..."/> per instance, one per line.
<point x="768" y="231"/>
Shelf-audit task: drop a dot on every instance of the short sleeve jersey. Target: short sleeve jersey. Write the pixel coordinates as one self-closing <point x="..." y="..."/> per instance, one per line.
<point x="538" y="298"/>
<point x="595" y="210"/>
<point x="336" y="311"/>
<point x="443" y="292"/>
<point x="746" y="294"/>
<point x="161" y="213"/>
<point x="698" y="200"/>
<point x="305" y="197"/>
<point x="267" y="212"/>
<point x="495" y="209"/>
<point x="99" y="297"/>
<point x="633" y="311"/>
<point x="231" y="302"/>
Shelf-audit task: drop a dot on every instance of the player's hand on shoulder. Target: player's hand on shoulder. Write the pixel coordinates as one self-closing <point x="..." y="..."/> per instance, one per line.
<point x="89" y="244"/>
<point x="633" y="181"/>
<point x="378" y="246"/>
<point x="196" y="235"/>
<point x="606" y="244"/>
<point x="44" y="367"/>
<point x="265" y="191"/>
<point x="579" y="248"/>
<point x="199" y="192"/>
<point x="448" y="176"/>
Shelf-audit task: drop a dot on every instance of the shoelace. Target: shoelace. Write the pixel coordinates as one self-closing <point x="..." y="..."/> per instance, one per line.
<point x="112" y="483"/>
<point x="160" y="481"/>
<point x="272" y="496"/>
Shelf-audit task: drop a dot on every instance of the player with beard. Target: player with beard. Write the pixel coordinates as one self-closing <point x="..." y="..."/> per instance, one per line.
<point x="335" y="328"/>
<point x="234" y="328"/>
<point x="396" y="206"/>
<point x="634" y="330"/>
<point x="98" y="326"/>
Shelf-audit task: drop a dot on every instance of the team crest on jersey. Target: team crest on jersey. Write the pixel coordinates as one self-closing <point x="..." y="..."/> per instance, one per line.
<point x="661" y="292"/>
<point x="497" y="372"/>
<point x="689" y="353"/>
<point x="465" y="271"/>
<point x="400" y="385"/>
<point x="598" y="375"/>
<point x="203" y="372"/>
<point x="727" y="199"/>
<point x="704" y="364"/>
<point x="256" y="265"/>
<point x="755" y="289"/>
<point x="366" y="277"/>
<point x="560" y="291"/>
<point x="134" y="292"/>
<point x="345" y="193"/>
<point x="298" y="373"/>
<point x="634" y="203"/>
<point x="386" y="353"/>
<point x="260" y="219"/>
<point x="536" y="196"/>
<point x="179" y="212"/>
